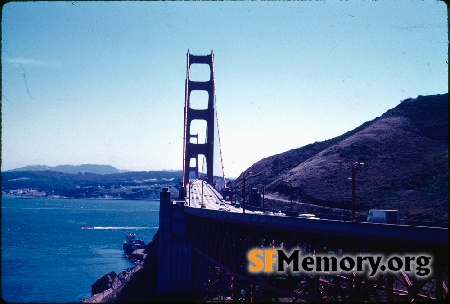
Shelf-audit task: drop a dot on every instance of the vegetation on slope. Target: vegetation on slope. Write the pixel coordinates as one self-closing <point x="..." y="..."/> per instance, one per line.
<point x="405" y="155"/>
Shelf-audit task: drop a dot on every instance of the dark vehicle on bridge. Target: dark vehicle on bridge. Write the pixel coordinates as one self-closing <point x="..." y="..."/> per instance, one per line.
<point x="237" y="205"/>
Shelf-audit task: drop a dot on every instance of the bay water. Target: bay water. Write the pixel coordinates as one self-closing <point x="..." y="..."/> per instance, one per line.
<point x="46" y="256"/>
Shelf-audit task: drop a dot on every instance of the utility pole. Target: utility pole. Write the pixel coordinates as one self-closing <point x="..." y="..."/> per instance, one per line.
<point x="291" y="194"/>
<point x="243" y="190"/>
<point x="355" y="165"/>
<point x="264" y="190"/>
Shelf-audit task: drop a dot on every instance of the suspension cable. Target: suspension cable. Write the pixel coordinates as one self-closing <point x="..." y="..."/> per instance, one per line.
<point x="220" y="145"/>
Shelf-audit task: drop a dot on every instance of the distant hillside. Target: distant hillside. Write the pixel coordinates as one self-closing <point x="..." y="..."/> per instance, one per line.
<point x="405" y="152"/>
<point x="72" y="169"/>
<point x="127" y="185"/>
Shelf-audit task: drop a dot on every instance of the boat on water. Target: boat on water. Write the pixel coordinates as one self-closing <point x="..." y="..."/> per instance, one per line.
<point x="132" y="243"/>
<point x="87" y="227"/>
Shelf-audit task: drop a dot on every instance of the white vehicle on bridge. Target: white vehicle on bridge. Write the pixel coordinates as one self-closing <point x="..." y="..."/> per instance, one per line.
<point x="307" y="216"/>
<point x="382" y="216"/>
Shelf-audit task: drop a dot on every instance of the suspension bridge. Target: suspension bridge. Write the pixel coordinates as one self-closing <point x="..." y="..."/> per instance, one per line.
<point x="209" y="146"/>
<point x="204" y="238"/>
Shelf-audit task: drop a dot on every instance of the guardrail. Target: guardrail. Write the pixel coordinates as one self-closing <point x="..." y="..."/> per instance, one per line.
<point x="430" y="235"/>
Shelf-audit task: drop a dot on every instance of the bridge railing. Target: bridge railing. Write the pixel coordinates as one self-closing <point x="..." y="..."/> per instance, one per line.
<point x="423" y="234"/>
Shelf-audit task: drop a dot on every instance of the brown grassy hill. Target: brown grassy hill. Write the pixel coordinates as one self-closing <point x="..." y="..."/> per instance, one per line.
<point x="405" y="155"/>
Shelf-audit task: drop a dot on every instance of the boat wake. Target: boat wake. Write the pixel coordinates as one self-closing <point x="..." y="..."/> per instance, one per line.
<point x="117" y="227"/>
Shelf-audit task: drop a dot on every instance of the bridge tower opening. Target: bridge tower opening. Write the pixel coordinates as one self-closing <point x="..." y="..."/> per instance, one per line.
<point x="194" y="158"/>
<point x="192" y="150"/>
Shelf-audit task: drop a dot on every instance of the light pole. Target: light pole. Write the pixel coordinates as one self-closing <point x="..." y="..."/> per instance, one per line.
<point x="190" y="191"/>
<point x="243" y="190"/>
<point x="290" y="188"/>
<point x="355" y="165"/>
<point x="264" y="190"/>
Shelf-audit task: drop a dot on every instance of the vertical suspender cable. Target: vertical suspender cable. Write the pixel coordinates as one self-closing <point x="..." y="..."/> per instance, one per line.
<point x="217" y="120"/>
<point x="220" y="145"/>
<point x="204" y="157"/>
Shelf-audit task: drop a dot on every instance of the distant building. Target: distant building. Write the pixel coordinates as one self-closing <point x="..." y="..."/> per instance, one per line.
<point x="36" y="193"/>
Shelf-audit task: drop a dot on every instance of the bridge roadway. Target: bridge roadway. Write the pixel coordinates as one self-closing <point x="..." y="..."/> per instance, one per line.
<point x="425" y="236"/>
<point x="211" y="198"/>
<point x="204" y="251"/>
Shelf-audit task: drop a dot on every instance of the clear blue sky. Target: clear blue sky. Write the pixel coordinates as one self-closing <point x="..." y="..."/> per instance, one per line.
<point x="103" y="82"/>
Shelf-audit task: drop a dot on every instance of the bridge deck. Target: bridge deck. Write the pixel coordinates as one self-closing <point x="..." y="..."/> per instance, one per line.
<point x="426" y="235"/>
<point x="210" y="198"/>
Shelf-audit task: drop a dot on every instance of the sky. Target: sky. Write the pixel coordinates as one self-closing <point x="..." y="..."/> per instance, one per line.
<point x="103" y="82"/>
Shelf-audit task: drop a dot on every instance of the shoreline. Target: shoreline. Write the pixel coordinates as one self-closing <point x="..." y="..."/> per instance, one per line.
<point x="110" y="294"/>
<point x="80" y="198"/>
<point x="127" y="283"/>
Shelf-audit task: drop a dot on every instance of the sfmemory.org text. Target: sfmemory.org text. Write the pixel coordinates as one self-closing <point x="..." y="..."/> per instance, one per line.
<point x="278" y="260"/>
